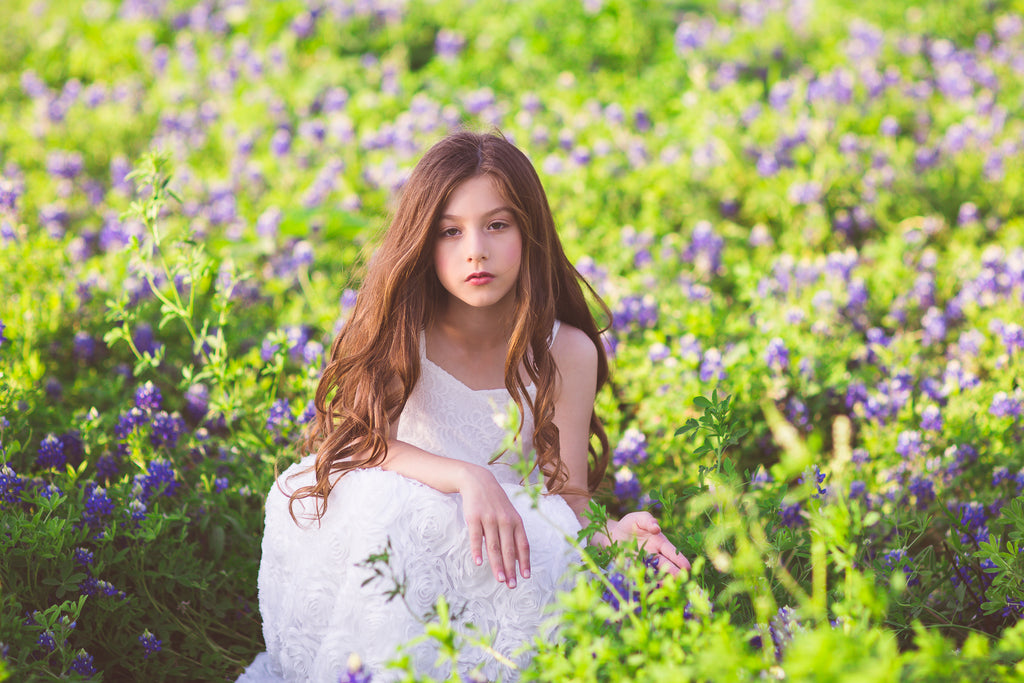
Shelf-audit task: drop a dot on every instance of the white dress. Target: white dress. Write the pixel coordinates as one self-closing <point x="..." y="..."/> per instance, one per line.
<point x="316" y="610"/>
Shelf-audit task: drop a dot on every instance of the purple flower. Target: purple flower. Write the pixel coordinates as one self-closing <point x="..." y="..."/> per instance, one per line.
<point x="931" y="419"/>
<point x="150" y="643"/>
<point x="51" y="453"/>
<point x="82" y="664"/>
<point x="166" y="429"/>
<point x="776" y="356"/>
<point x="47" y="641"/>
<point x="923" y="490"/>
<point x="197" y="400"/>
<point x="11" y="485"/>
<point x="711" y="366"/>
<point x="1004" y="405"/>
<point x="148" y="397"/>
<point x="356" y="672"/>
<point x="791" y="515"/>
<point x="449" y="44"/>
<point x="626" y="484"/>
<point x="782" y="627"/>
<point x="279" y="416"/>
<point x="631" y="449"/>
<point x="908" y="443"/>
<point x="159" y="480"/>
<point x="97" y="505"/>
<point x="84" y="557"/>
<point x="899" y="559"/>
<point x="220" y="484"/>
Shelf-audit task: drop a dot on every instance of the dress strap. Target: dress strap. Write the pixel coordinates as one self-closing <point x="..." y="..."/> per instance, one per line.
<point x="554" y="331"/>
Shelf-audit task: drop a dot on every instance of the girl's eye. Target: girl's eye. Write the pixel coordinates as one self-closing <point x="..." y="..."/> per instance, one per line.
<point x="498" y="225"/>
<point x="449" y="232"/>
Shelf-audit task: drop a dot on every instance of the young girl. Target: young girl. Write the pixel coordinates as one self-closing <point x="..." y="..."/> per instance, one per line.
<point x="469" y="305"/>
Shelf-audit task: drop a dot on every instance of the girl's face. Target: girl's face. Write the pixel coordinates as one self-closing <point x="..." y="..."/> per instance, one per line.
<point x="478" y="247"/>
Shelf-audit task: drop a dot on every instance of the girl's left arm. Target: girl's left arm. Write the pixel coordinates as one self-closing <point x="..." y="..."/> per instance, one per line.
<point x="575" y="357"/>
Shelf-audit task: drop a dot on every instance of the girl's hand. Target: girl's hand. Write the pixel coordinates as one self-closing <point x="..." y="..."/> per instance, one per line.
<point x="490" y="515"/>
<point x="645" y="529"/>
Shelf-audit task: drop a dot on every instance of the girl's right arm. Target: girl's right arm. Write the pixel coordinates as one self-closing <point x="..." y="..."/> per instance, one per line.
<point x="490" y="515"/>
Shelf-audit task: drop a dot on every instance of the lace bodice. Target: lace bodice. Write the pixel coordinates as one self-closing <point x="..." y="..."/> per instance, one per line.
<point x="443" y="415"/>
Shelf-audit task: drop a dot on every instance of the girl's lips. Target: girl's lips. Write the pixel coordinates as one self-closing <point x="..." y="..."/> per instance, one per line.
<point x="479" y="278"/>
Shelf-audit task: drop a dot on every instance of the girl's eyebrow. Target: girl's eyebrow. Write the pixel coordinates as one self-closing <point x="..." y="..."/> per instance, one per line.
<point x="450" y="217"/>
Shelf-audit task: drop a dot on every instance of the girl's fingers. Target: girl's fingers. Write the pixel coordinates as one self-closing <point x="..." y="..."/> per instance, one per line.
<point x="508" y="553"/>
<point x="476" y="538"/>
<point x="523" y="550"/>
<point x="494" y="544"/>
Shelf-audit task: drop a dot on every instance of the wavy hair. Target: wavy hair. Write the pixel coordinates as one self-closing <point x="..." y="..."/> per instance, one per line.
<point x="374" y="361"/>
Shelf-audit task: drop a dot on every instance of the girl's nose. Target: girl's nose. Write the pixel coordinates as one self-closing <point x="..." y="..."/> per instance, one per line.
<point x="476" y="250"/>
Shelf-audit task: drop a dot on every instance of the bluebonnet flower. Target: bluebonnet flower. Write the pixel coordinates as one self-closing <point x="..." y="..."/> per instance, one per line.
<point x="711" y="366"/>
<point x="148" y="397"/>
<point x="197" y="401"/>
<point x="83" y="665"/>
<point x="268" y="349"/>
<point x="355" y="672"/>
<point x="931" y="419"/>
<point x="269" y="221"/>
<point x="136" y="510"/>
<point x="54" y="389"/>
<point x="642" y="311"/>
<point x="128" y="421"/>
<point x="999" y="475"/>
<point x="51" y="453"/>
<point x="279" y="416"/>
<point x="47" y="641"/>
<point x="83" y="556"/>
<point x="308" y="414"/>
<point x="312" y="352"/>
<point x="631" y="449"/>
<point x="166" y="429"/>
<point x="776" y="356"/>
<point x="899" y="559"/>
<point x="622" y="590"/>
<point x="658" y="352"/>
<point x="857" y="489"/>
<point x="159" y="479"/>
<point x="908" y="444"/>
<point x="626" y="484"/>
<point x="933" y="324"/>
<point x="220" y="484"/>
<point x="84" y="347"/>
<point x="1004" y="405"/>
<point x="817" y="477"/>
<point x="107" y="466"/>
<point x="923" y="490"/>
<point x="791" y="515"/>
<point x="782" y="628"/>
<point x="144" y="339"/>
<point x="97" y="505"/>
<point x="150" y="643"/>
<point x="705" y="248"/>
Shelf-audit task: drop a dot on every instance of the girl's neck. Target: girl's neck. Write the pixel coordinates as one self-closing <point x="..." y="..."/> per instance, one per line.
<point x="475" y="328"/>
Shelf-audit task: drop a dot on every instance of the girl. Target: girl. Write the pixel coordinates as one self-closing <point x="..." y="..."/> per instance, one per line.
<point x="468" y="306"/>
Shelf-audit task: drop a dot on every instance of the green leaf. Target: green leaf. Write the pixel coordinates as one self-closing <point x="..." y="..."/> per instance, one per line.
<point x="702" y="402"/>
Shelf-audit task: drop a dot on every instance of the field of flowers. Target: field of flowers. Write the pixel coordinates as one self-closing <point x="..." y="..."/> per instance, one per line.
<point x="813" y="207"/>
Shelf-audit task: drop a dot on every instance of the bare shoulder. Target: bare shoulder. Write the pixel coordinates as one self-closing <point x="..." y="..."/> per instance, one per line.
<point x="574" y="353"/>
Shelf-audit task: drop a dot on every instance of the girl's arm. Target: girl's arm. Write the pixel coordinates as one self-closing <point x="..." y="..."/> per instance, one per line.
<point x="576" y="359"/>
<point x="489" y="513"/>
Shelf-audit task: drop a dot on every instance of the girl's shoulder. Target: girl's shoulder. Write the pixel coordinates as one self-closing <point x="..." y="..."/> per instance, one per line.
<point x="573" y="350"/>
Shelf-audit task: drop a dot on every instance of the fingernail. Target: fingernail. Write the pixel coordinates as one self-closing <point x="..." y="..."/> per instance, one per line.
<point x="478" y="561"/>
<point x="526" y="574"/>
<point x="512" y="583"/>
<point x="501" y="577"/>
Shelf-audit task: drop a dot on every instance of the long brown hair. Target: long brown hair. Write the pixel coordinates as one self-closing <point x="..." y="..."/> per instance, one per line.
<point x="375" y="363"/>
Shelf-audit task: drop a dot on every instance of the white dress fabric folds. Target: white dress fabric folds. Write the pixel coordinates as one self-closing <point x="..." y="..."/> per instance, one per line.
<point x="316" y="609"/>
